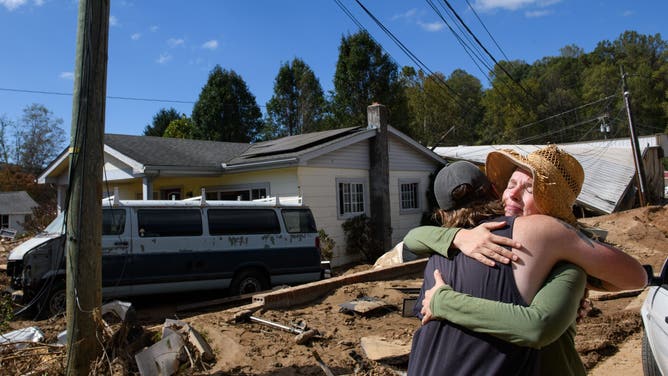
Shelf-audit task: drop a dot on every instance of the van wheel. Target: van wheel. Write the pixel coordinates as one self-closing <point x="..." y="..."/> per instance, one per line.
<point x="249" y="281"/>
<point x="55" y="302"/>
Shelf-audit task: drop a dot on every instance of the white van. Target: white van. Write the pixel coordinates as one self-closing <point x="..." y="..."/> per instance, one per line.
<point x="151" y="247"/>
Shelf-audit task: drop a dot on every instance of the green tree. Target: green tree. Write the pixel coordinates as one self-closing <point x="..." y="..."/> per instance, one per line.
<point x="5" y="142"/>
<point x="443" y="110"/>
<point x="39" y="138"/>
<point x="161" y="121"/>
<point x="364" y="75"/>
<point x="298" y="102"/>
<point x="180" y="128"/>
<point x="226" y="110"/>
<point x="506" y="105"/>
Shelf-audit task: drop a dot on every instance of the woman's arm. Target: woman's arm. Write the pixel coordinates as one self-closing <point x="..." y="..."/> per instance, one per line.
<point x="478" y="243"/>
<point x="551" y="312"/>
<point x="560" y="241"/>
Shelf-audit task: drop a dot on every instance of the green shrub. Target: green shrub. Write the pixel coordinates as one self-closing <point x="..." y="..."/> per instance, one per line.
<point x="6" y="312"/>
<point x="326" y="245"/>
<point x="360" y="238"/>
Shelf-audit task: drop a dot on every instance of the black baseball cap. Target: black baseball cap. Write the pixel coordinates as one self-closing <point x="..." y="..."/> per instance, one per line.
<point x="459" y="184"/>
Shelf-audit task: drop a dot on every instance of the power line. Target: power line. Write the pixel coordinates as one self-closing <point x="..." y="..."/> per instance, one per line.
<point x="485" y="49"/>
<point x="485" y="27"/>
<point x="451" y="92"/>
<point x="157" y="100"/>
<point x="566" y="112"/>
<point x="108" y="96"/>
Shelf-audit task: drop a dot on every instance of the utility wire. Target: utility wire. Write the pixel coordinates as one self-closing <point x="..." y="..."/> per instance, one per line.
<point x="566" y="112"/>
<point x="466" y="47"/>
<point x="485" y="49"/>
<point x="108" y="96"/>
<point x="485" y="27"/>
<point x="453" y="94"/>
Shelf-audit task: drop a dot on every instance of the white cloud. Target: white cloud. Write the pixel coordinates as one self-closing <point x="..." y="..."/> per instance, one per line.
<point x="628" y="13"/>
<point x="537" y="13"/>
<point x="153" y="28"/>
<point x="210" y="45"/>
<point x="67" y="75"/>
<point x="431" y="26"/>
<point x="164" y="58"/>
<point x="39" y="3"/>
<point x="12" y="4"/>
<point x="408" y="14"/>
<point x="512" y="4"/>
<point x="135" y="36"/>
<point x="113" y="21"/>
<point x="175" y="42"/>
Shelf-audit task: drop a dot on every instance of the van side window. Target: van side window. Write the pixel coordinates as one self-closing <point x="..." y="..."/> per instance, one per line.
<point x="113" y="221"/>
<point x="171" y="222"/>
<point x="299" y="221"/>
<point x="243" y="221"/>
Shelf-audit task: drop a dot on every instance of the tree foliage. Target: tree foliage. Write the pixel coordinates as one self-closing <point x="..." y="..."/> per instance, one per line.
<point x="226" y="110"/>
<point x="180" y="128"/>
<point x="38" y="138"/>
<point x="364" y="75"/>
<point x="161" y="121"/>
<point x="298" y="102"/>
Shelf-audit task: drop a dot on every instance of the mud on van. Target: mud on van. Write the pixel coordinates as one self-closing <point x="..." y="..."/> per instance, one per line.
<point x="151" y="247"/>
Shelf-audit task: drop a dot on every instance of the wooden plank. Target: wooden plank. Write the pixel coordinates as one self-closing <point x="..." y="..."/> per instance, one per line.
<point x="381" y="349"/>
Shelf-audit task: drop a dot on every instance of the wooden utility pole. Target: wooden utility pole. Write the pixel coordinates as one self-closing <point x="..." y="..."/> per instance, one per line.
<point x="637" y="158"/>
<point x="84" y="210"/>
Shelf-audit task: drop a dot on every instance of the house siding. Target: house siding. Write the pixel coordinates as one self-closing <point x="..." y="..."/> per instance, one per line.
<point x="319" y="193"/>
<point x="403" y="222"/>
<point x="405" y="158"/>
<point x="354" y="156"/>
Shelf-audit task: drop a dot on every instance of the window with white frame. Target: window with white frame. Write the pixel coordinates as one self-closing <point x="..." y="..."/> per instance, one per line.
<point x="350" y="197"/>
<point x="237" y="192"/>
<point x="409" y="196"/>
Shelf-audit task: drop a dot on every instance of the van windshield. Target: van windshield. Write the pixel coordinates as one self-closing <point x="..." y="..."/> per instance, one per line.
<point x="57" y="226"/>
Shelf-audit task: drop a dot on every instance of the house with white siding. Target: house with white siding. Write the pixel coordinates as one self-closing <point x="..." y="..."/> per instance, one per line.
<point x="372" y="169"/>
<point x="15" y="209"/>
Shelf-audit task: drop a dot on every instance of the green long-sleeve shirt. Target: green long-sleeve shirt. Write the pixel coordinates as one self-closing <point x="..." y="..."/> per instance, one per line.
<point x="548" y="323"/>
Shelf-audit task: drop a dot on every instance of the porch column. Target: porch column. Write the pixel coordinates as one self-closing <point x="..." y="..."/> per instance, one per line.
<point x="61" y="196"/>
<point x="147" y="188"/>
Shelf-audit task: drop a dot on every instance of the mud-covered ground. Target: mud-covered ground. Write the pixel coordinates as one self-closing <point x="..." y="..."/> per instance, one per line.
<point x="253" y="349"/>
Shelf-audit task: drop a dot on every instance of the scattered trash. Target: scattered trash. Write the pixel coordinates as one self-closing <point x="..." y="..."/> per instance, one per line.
<point x="364" y="305"/>
<point x="164" y="358"/>
<point x="20" y="338"/>
<point x="303" y="334"/>
<point x="380" y="349"/>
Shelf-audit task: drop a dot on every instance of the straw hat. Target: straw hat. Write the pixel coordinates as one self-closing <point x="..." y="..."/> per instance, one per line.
<point x="557" y="177"/>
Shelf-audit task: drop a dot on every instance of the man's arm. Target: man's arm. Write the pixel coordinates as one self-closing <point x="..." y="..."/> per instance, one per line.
<point x="551" y="312"/>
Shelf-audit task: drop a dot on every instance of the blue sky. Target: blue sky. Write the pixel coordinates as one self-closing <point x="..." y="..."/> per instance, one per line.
<point x="164" y="50"/>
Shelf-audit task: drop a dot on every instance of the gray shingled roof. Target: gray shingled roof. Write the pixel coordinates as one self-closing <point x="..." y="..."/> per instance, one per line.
<point x="16" y="203"/>
<point x="293" y="146"/>
<point x="159" y="151"/>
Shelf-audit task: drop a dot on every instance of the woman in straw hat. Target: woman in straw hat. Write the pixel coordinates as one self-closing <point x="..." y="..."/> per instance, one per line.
<point x="549" y="184"/>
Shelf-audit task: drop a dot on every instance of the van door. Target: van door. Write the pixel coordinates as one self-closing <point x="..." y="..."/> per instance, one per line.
<point x="167" y="250"/>
<point x="116" y="246"/>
